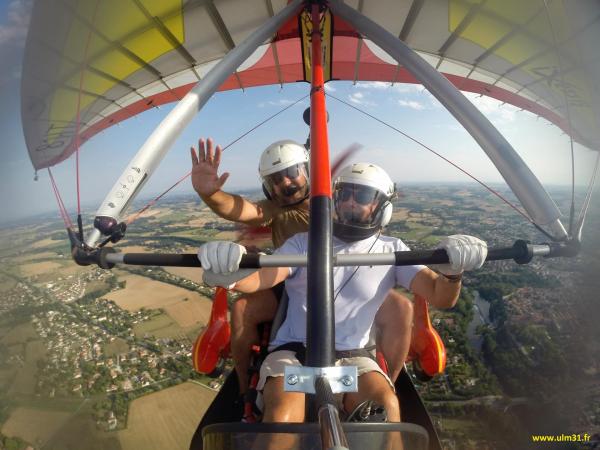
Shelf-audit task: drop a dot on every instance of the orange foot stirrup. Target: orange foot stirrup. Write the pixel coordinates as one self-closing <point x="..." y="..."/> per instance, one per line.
<point x="212" y="345"/>
<point x="427" y="350"/>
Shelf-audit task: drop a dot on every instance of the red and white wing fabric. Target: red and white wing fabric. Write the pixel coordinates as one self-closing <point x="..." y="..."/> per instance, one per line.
<point x="92" y="63"/>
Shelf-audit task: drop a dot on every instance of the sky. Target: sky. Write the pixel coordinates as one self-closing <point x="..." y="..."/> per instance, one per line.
<point x="230" y="114"/>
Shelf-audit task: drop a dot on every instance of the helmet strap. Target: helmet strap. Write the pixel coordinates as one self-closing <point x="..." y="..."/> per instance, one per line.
<point x="266" y="192"/>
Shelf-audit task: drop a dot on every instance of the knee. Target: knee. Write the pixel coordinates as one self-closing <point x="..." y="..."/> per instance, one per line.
<point x="390" y="402"/>
<point x="395" y="307"/>
<point x="401" y="303"/>
<point x="283" y="413"/>
<point x="282" y="406"/>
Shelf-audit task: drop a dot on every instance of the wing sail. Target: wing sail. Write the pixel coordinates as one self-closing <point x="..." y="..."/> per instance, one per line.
<point x="89" y="64"/>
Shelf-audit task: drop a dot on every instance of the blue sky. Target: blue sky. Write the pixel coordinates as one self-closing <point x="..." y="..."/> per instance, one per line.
<point x="229" y="114"/>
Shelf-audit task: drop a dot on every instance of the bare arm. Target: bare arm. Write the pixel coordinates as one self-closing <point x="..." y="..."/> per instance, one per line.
<point x="208" y="184"/>
<point x="436" y="288"/>
<point x="237" y="209"/>
<point x="262" y="279"/>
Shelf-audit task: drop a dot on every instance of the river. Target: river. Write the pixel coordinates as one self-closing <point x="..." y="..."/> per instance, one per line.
<point x="481" y="316"/>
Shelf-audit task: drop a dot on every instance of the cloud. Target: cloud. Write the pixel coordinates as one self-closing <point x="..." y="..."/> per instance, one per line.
<point x="15" y="28"/>
<point x="493" y="109"/>
<point x="411" y="104"/>
<point x="401" y="88"/>
<point x="359" y="98"/>
<point x="280" y="102"/>
<point x="413" y="96"/>
<point x="12" y="39"/>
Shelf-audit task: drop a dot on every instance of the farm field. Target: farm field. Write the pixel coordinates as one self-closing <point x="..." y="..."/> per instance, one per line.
<point x="18" y="334"/>
<point x="24" y="382"/>
<point x="116" y="347"/>
<point x="166" y="419"/>
<point x="79" y="433"/>
<point x="33" y="269"/>
<point x="35" y="256"/>
<point x="161" y="326"/>
<point x="43" y="243"/>
<point x="141" y="292"/>
<point x="190" y="312"/>
<point x="34" y="425"/>
<point x="6" y="283"/>
<point x="186" y="311"/>
<point x="189" y="273"/>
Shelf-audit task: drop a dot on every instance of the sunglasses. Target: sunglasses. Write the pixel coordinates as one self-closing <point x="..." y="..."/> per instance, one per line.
<point x="362" y="195"/>
<point x="291" y="173"/>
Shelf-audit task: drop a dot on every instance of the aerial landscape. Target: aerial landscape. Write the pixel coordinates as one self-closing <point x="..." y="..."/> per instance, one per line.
<point x="106" y="357"/>
<point x="94" y="358"/>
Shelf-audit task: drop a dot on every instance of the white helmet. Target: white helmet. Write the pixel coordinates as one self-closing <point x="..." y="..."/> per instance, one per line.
<point x="278" y="157"/>
<point x="380" y="190"/>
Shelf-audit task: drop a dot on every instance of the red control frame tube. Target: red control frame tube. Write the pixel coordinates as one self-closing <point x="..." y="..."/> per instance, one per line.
<point x="320" y="325"/>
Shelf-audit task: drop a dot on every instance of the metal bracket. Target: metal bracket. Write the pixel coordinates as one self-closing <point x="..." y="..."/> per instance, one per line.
<point x="302" y="378"/>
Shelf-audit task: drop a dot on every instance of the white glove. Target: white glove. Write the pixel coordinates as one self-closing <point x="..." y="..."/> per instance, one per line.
<point x="221" y="263"/>
<point x="464" y="252"/>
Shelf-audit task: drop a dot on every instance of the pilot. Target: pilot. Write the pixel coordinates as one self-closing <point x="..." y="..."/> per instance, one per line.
<point x="362" y="196"/>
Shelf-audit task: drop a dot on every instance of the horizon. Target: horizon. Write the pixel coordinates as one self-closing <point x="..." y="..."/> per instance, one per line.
<point x="90" y="208"/>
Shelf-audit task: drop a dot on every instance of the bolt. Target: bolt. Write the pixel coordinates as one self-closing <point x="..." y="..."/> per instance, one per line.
<point x="292" y="379"/>
<point x="347" y="380"/>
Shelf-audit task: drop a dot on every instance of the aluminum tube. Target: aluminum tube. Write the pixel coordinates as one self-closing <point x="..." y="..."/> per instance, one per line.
<point x="519" y="177"/>
<point x="115" y="258"/>
<point x="332" y="433"/>
<point x="160" y="141"/>
<point x="366" y="259"/>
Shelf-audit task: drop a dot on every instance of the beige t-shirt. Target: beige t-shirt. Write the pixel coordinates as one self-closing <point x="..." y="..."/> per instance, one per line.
<point x="286" y="220"/>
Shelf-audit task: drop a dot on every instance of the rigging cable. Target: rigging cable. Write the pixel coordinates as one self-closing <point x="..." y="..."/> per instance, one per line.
<point x="61" y="205"/>
<point x="586" y="201"/>
<point x="568" y="114"/>
<point x="151" y="203"/>
<point x="497" y="194"/>
<point x="84" y="65"/>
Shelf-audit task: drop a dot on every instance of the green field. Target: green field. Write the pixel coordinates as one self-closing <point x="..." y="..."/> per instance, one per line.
<point x="25" y="380"/>
<point x="79" y="432"/>
<point x="18" y="335"/>
<point x="465" y="427"/>
<point x="116" y="347"/>
<point x="95" y="286"/>
<point x="6" y="378"/>
<point x="417" y="231"/>
<point x="431" y="240"/>
<point x="159" y="326"/>
<point x="7" y="283"/>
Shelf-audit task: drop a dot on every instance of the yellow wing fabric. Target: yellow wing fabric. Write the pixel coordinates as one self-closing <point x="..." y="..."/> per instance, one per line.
<point x="92" y="63"/>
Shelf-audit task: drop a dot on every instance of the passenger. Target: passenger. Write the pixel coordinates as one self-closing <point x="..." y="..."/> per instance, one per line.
<point x="362" y="207"/>
<point x="283" y="169"/>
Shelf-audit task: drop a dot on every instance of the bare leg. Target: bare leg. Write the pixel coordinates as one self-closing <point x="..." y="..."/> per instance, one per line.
<point x="394" y="321"/>
<point x="373" y="386"/>
<point x="281" y="406"/>
<point x="246" y="313"/>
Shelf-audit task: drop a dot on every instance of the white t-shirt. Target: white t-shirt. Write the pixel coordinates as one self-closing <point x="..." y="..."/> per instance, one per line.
<point x="359" y="299"/>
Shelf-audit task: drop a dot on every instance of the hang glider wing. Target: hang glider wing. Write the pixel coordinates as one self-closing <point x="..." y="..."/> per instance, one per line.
<point x="90" y="64"/>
